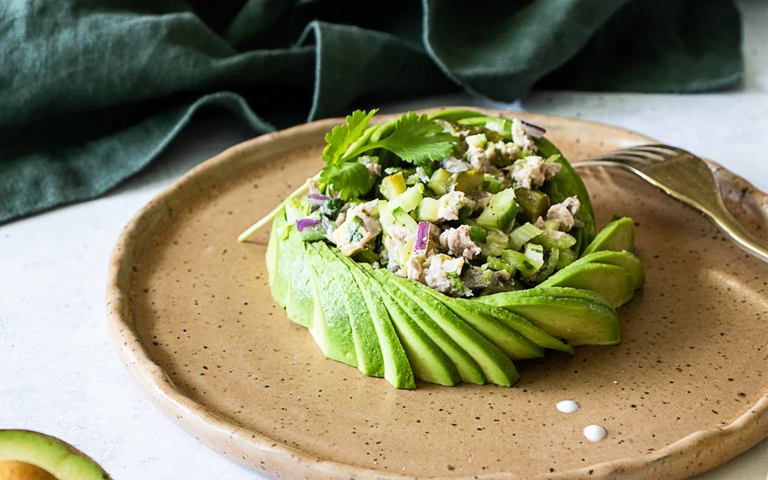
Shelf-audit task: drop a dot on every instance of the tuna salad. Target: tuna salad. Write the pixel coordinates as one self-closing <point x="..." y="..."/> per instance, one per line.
<point x="466" y="206"/>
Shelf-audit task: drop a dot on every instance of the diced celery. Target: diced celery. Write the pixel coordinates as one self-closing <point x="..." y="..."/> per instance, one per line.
<point x="496" y="241"/>
<point x="296" y="209"/>
<point x="495" y="263"/>
<point x="466" y="182"/>
<point x="501" y="212"/>
<point x="491" y="183"/>
<point x="522" y="235"/>
<point x="439" y="181"/>
<point x="283" y="231"/>
<point x="519" y="261"/>
<point x="562" y="242"/>
<point x="402" y="218"/>
<point x="535" y="254"/>
<point x="478" y="234"/>
<point x="385" y="215"/>
<point x="393" y="185"/>
<point x="409" y="199"/>
<point x="478" y="140"/>
<point x="405" y="253"/>
<point x="495" y="124"/>
<point x="427" y="211"/>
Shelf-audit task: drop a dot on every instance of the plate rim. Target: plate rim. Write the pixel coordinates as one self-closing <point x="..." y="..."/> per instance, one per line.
<point x="690" y="455"/>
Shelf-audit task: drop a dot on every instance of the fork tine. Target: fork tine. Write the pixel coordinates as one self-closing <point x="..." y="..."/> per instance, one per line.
<point x="663" y="150"/>
<point x="631" y="156"/>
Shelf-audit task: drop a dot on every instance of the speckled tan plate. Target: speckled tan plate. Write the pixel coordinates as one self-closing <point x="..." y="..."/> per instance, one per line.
<point x="194" y="323"/>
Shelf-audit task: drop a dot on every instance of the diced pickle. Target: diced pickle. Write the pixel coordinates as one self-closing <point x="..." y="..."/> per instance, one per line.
<point x="533" y="204"/>
<point x="393" y="185"/>
<point x="439" y="181"/>
<point x="466" y="182"/>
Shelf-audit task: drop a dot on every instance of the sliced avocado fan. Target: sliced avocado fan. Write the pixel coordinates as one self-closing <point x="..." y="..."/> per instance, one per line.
<point x="579" y="321"/>
<point x="369" y="357"/>
<point x="607" y="266"/>
<point x="61" y="460"/>
<point x="612" y="282"/>
<point x="397" y="369"/>
<point x="330" y="322"/>
<point x="469" y="369"/>
<point x="496" y="366"/>
<point x="616" y="236"/>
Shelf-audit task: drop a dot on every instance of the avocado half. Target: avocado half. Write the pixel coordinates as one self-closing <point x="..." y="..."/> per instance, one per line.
<point x="26" y="455"/>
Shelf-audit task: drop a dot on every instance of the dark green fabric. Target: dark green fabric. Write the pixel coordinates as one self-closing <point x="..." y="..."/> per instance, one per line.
<point x="92" y="90"/>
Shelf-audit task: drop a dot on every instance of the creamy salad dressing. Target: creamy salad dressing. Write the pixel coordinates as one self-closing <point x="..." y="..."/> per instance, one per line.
<point x="595" y="433"/>
<point x="568" y="406"/>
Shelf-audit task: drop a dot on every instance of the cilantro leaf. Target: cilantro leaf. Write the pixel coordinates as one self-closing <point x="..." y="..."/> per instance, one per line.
<point x="415" y="139"/>
<point x="341" y="137"/>
<point x="350" y="179"/>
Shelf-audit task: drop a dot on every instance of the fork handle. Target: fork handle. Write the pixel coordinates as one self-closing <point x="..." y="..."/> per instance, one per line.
<point x="743" y="237"/>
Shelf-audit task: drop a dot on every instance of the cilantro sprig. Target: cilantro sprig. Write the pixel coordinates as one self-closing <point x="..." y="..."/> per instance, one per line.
<point x="415" y="139"/>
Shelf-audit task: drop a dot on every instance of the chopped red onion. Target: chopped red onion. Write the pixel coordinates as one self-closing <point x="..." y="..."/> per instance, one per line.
<point x="306" y="222"/>
<point x="533" y="130"/>
<point x="316" y="199"/>
<point x="422" y="236"/>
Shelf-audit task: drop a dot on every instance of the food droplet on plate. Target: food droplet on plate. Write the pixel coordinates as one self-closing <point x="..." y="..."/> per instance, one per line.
<point x="594" y="433"/>
<point x="568" y="406"/>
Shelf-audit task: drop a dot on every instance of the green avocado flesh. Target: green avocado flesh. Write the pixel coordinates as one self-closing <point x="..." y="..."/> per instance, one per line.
<point x="496" y="366"/>
<point x="54" y="456"/>
<point x="468" y="368"/>
<point x="369" y="358"/>
<point x="397" y="369"/>
<point x="579" y="321"/>
<point x="330" y="322"/>
<point x="612" y="282"/>
<point x="617" y="236"/>
<point x="497" y="331"/>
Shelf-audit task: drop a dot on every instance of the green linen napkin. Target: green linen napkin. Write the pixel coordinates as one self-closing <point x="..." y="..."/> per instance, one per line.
<point x="92" y="90"/>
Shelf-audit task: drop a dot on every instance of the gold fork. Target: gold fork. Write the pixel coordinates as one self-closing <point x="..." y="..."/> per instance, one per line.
<point x="685" y="177"/>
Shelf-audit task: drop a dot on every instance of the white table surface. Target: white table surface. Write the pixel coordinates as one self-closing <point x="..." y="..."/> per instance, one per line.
<point x="60" y="375"/>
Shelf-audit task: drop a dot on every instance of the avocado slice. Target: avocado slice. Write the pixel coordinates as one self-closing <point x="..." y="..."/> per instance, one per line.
<point x="626" y="260"/>
<point x="616" y="236"/>
<point x="281" y="261"/>
<point x="515" y="322"/>
<point x="468" y="368"/>
<point x="369" y="358"/>
<point x="397" y="369"/>
<point x="482" y="318"/>
<point x="61" y="460"/>
<point x="613" y="282"/>
<point x="577" y="320"/>
<point x="496" y="366"/>
<point x="428" y="361"/>
<point x="561" y="292"/>
<point x="301" y="301"/>
<point x="330" y="322"/>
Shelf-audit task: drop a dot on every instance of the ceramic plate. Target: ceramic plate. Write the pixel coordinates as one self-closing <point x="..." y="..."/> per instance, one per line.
<point x="195" y="325"/>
